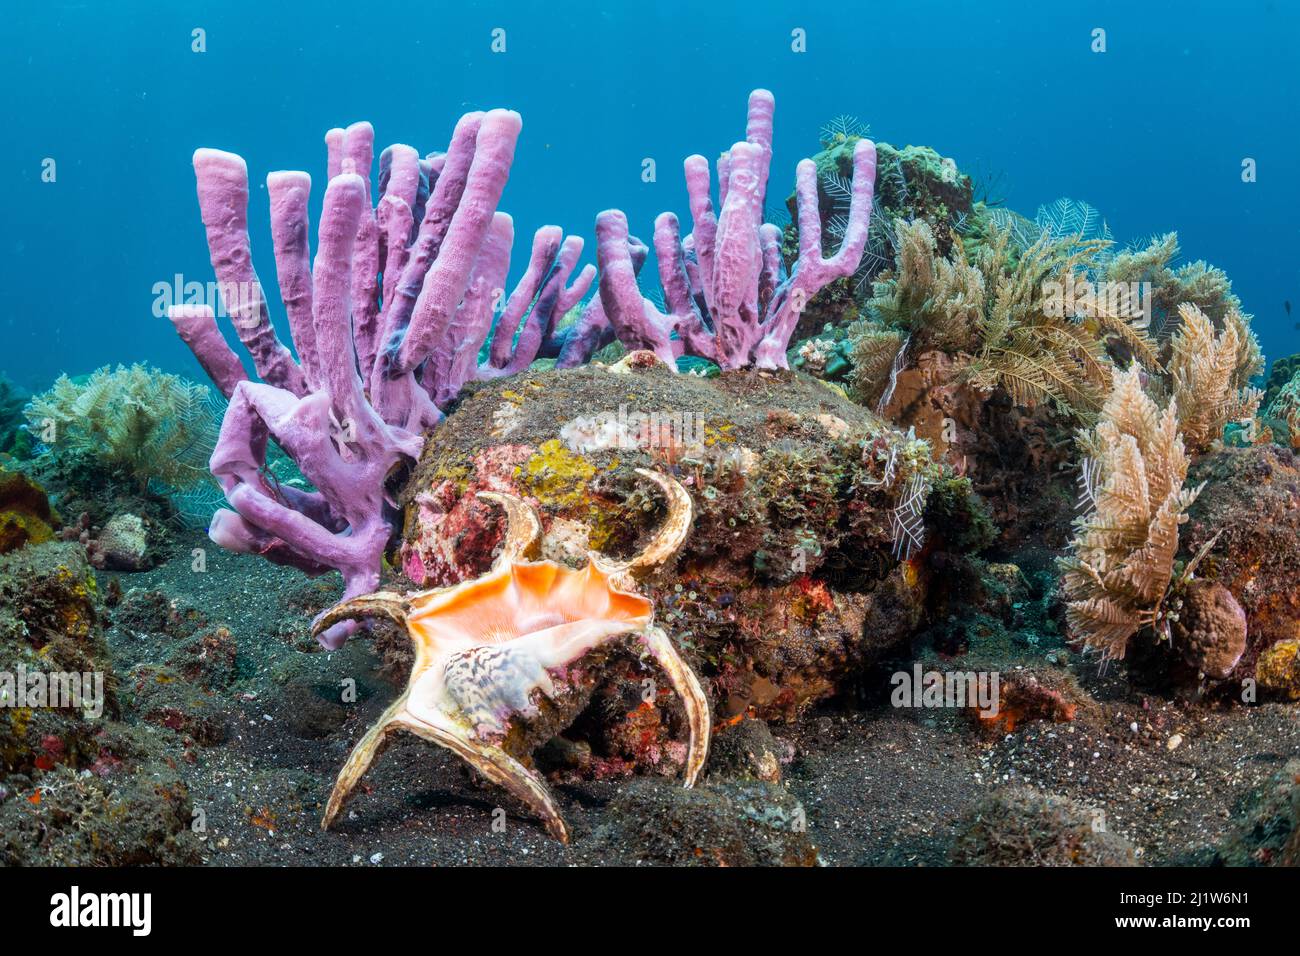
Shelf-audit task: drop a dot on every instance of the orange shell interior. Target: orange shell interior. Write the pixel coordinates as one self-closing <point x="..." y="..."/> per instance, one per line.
<point x="521" y="599"/>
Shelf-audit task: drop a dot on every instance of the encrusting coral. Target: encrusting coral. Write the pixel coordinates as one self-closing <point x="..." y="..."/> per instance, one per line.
<point x="516" y="646"/>
<point x="387" y="326"/>
<point x="147" y="424"/>
<point x="25" y="513"/>
<point x="1117" y="578"/>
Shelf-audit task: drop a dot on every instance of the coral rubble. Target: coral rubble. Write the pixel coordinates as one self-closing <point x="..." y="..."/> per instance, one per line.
<point x="78" y="784"/>
<point x="732" y="823"/>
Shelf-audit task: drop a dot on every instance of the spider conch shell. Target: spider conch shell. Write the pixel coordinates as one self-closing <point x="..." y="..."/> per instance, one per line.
<point x="490" y="650"/>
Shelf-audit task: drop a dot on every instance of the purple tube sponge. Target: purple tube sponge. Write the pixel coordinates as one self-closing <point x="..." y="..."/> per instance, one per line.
<point x="387" y="324"/>
<point x="576" y="344"/>
<point x="543" y="293"/>
<point x="728" y="296"/>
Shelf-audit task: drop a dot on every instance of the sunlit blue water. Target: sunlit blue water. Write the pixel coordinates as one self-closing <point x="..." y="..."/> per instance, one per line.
<point x="1152" y="132"/>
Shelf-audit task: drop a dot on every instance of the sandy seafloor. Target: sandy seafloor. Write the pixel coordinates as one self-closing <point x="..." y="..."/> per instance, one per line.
<point x="879" y="785"/>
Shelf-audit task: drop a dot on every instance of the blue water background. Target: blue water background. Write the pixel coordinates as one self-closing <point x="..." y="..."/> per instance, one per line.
<point x="1152" y="132"/>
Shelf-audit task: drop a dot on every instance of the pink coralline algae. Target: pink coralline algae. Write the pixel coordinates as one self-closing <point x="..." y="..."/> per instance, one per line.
<point x="448" y="538"/>
<point x="725" y="288"/>
<point x="387" y="325"/>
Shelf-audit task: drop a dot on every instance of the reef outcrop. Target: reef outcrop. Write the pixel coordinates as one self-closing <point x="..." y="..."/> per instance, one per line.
<point x="808" y="511"/>
<point x="1019" y="826"/>
<point x="79" y="785"/>
<point x="50" y="630"/>
<point x="1250" y="507"/>
<point x="25" y="513"/>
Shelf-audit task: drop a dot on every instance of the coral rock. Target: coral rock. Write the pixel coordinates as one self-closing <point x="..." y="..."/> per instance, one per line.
<point x="749" y="823"/>
<point x="49" y="625"/>
<point x="788" y="582"/>
<point x="1252" y="502"/>
<point x="1278" y="669"/>
<point x="1266" y="830"/>
<point x="1211" y="629"/>
<point x="84" y="820"/>
<point x="25" y="515"/>
<point x="122" y="545"/>
<point x="163" y="697"/>
<point x="1014" y="456"/>
<point x="747" y="748"/>
<point x="1018" y="826"/>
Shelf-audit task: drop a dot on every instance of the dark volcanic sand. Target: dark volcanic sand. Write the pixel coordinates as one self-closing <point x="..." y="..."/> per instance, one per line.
<point x="880" y="786"/>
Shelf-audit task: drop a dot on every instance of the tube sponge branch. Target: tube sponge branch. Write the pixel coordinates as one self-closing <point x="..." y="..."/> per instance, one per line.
<point x="728" y="296"/>
<point x="543" y="294"/>
<point x="387" y="323"/>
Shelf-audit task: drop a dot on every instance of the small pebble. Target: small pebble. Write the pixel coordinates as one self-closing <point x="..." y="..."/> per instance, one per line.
<point x="1174" y="742"/>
